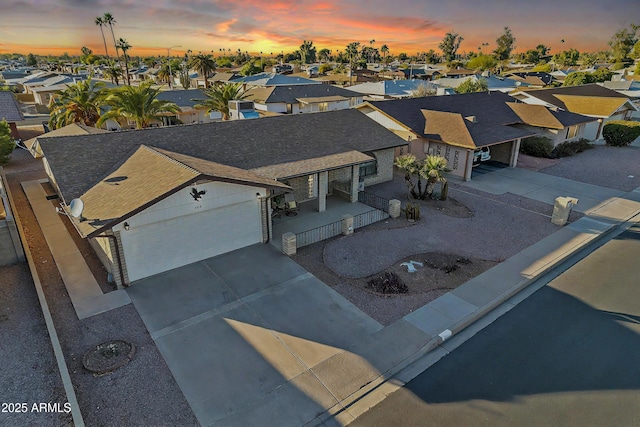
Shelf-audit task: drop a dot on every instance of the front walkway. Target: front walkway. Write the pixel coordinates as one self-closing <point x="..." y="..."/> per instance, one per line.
<point x="541" y="187"/>
<point x="309" y="218"/>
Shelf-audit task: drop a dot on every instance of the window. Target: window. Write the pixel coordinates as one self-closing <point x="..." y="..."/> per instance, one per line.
<point x="323" y="106"/>
<point x="572" y="132"/>
<point x="368" y="169"/>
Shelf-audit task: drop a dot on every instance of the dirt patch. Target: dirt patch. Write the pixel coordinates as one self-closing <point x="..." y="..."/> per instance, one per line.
<point x="439" y="271"/>
<point x="450" y="207"/>
<point x="428" y="283"/>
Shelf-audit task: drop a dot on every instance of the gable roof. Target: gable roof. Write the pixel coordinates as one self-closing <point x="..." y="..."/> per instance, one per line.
<point x="146" y="176"/>
<point x="590" y="99"/>
<point x="591" y="105"/>
<point x="71" y="129"/>
<point x="9" y="107"/>
<point x="273" y="79"/>
<point x="390" y="87"/>
<point x="77" y="162"/>
<point x="291" y="94"/>
<point x="182" y="98"/>
<point x="447" y="127"/>
<point x="493" y="116"/>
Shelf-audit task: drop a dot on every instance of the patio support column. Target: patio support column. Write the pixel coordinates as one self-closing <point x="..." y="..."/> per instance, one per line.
<point x="355" y="178"/>
<point x="323" y="189"/>
<point x="469" y="166"/>
<point x="515" y="150"/>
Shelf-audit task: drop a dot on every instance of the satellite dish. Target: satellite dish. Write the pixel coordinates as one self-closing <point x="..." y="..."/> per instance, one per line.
<point x="76" y="207"/>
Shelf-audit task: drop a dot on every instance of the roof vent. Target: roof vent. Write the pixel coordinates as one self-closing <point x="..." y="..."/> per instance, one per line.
<point x="472" y="119"/>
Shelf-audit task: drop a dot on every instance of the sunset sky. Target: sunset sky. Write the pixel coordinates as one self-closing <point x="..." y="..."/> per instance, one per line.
<point x="151" y="26"/>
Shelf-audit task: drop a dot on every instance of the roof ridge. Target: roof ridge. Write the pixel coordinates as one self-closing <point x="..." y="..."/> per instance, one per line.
<point x="159" y="153"/>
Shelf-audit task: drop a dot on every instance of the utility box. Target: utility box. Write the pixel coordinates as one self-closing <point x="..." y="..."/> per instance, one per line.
<point x="562" y="209"/>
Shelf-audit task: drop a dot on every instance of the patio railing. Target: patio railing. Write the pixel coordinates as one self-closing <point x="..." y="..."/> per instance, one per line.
<point x="373" y="201"/>
<point x="318" y="234"/>
<point x="333" y="229"/>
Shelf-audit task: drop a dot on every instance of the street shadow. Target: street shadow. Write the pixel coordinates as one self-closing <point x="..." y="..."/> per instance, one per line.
<point x="552" y="343"/>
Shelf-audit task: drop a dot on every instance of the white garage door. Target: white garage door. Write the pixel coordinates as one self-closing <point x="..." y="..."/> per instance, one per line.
<point x="165" y="245"/>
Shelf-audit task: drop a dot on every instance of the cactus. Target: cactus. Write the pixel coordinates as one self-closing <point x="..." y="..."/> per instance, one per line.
<point x="412" y="211"/>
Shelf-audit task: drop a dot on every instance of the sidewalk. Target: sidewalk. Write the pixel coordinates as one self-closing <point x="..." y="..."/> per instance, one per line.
<point x="446" y="316"/>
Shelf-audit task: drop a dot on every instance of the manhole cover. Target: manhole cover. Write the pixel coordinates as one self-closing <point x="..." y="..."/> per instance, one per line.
<point x="108" y="356"/>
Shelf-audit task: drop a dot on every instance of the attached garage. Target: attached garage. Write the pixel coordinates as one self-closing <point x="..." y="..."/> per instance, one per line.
<point x="179" y="230"/>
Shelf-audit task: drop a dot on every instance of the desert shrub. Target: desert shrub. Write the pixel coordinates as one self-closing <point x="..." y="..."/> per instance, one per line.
<point x="569" y="148"/>
<point x="388" y="283"/>
<point x="324" y="68"/>
<point x="537" y="146"/>
<point x="620" y="133"/>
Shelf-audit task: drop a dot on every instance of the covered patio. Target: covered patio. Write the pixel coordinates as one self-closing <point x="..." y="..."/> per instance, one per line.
<point x="308" y="217"/>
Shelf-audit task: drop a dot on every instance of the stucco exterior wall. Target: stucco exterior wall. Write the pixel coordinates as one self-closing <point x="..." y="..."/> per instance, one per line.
<point x="456" y="156"/>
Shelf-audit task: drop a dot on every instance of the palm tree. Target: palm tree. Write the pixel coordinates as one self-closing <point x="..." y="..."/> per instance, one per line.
<point x="218" y="98"/>
<point x="124" y="47"/>
<point x="78" y="103"/>
<point x="138" y="104"/>
<point x="100" y="22"/>
<point x="204" y="64"/>
<point x="113" y="72"/>
<point x="163" y="73"/>
<point x="307" y="52"/>
<point x="385" y="50"/>
<point x="431" y="169"/>
<point x="107" y="19"/>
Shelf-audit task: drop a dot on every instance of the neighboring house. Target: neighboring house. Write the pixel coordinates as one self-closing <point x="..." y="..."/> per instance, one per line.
<point x="185" y="99"/>
<point x="590" y="100"/>
<point x="10" y="111"/>
<point x="302" y="98"/>
<point x="33" y="144"/>
<point x="159" y="198"/>
<point x="273" y="79"/>
<point x="457" y="126"/>
<point x="391" y="89"/>
<point x="458" y="73"/>
<point x="535" y="78"/>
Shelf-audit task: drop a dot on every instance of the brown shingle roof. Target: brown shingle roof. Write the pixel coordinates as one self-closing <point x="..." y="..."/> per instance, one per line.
<point x="591" y="105"/>
<point x="9" y="107"/>
<point x="536" y="115"/>
<point x="147" y="176"/>
<point x="72" y="129"/>
<point x="449" y="127"/>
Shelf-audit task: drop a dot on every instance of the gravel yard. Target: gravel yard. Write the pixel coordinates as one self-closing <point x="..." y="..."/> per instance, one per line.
<point x="498" y="227"/>
<point x="141" y="393"/>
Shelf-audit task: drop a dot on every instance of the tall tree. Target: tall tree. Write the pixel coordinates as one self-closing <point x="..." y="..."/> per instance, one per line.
<point x="567" y="57"/>
<point x="505" y="45"/>
<point x="124" y="46"/>
<point x="185" y="79"/>
<point x="324" y="54"/>
<point x="623" y="41"/>
<point x="113" y="72"/>
<point x="472" y="85"/>
<point x="107" y="19"/>
<point x="100" y="22"/>
<point x="449" y="45"/>
<point x="138" y="104"/>
<point x="308" y="52"/>
<point x="218" y="98"/>
<point x="78" y="103"/>
<point x="385" y="51"/>
<point x="204" y="63"/>
<point x="482" y="62"/>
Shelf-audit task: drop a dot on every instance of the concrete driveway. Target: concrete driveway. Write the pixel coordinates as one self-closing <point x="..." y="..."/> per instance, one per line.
<point x="539" y="186"/>
<point x="250" y="337"/>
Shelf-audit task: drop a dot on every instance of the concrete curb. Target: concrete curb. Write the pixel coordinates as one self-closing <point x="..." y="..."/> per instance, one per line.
<point x="376" y="391"/>
<point x="78" y="421"/>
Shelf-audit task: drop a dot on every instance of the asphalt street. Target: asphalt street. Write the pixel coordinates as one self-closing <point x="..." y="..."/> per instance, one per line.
<point x="567" y="355"/>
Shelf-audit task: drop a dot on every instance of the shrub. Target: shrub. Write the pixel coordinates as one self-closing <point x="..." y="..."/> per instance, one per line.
<point x="324" y="68"/>
<point x="620" y="133"/>
<point x="569" y="148"/>
<point x="537" y="146"/>
<point x="388" y="283"/>
<point x="7" y="144"/>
